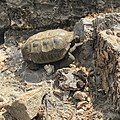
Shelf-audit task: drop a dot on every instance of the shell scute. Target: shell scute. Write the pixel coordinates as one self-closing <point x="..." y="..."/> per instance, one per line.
<point x="48" y="46"/>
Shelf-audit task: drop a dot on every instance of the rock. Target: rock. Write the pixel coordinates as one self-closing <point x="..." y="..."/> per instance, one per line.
<point x="100" y="54"/>
<point x="80" y="104"/>
<point x="80" y="111"/>
<point x="84" y="28"/>
<point x="96" y="115"/>
<point x="89" y="99"/>
<point x="4" y="19"/>
<point x="49" y="69"/>
<point x="56" y="13"/>
<point x="78" y="95"/>
<point x="27" y="105"/>
<point x="107" y="21"/>
<point x="4" y="22"/>
<point x="84" y="105"/>
<point x="103" y="57"/>
<point x="1" y="116"/>
<point x="32" y="66"/>
<point x="30" y="76"/>
<point x="40" y="103"/>
<point x="40" y="114"/>
<point x="3" y="56"/>
<point x="14" y="36"/>
<point x="105" y="51"/>
<point x="107" y="54"/>
<point x="1" y="100"/>
<point x="19" y="15"/>
<point x="70" y="78"/>
<point x="58" y="93"/>
<point x="109" y="32"/>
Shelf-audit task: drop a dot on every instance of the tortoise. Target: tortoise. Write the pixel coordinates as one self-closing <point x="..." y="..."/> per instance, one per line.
<point x="49" y="46"/>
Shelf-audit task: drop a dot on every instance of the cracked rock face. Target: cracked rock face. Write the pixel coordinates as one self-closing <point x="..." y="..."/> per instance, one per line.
<point x="107" y="55"/>
<point x="108" y="21"/>
<point x="41" y="15"/>
<point x="35" y="14"/>
<point x="71" y="79"/>
<point x="56" y="103"/>
<point x="4" y="19"/>
<point x="84" y="28"/>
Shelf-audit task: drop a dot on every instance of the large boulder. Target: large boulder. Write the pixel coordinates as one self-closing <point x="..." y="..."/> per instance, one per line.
<point x="39" y="14"/>
<point x="107" y="59"/>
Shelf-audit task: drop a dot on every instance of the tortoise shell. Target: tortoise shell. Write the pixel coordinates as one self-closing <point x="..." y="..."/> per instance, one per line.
<point x="48" y="46"/>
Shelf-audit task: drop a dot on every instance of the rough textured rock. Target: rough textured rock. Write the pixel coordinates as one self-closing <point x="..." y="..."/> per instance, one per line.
<point x="4" y="19"/>
<point x="107" y="56"/>
<point x="85" y="30"/>
<point x="13" y="37"/>
<point x="71" y="79"/>
<point x="103" y="77"/>
<point x="78" y="95"/>
<point x="27" y="105"/>
<point x="4" y="22"/>
<point x="32" y="14"/>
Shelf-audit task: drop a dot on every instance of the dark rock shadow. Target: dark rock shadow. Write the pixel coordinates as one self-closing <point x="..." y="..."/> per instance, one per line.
<point x="17" y="111"/>
<point x="38" y="75"/>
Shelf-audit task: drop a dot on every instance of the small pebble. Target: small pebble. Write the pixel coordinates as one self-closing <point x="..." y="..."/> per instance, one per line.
<point x="80" y="111"/>
<point x="81" y="104"/>
<point x="78" y="95"/>
<point x="109" y="32"/>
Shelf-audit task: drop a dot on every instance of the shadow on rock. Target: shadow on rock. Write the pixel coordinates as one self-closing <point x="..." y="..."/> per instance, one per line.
<point x="17" y="111"/>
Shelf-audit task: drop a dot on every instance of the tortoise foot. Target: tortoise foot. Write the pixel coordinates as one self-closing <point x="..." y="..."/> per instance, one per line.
<point x="32" y="66"/>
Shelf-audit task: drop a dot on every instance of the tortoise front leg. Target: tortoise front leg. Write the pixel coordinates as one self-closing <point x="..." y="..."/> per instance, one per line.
<point x="71" y="56"/>
<point x="75" y="46"/>
<point x="72" y="49"/>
